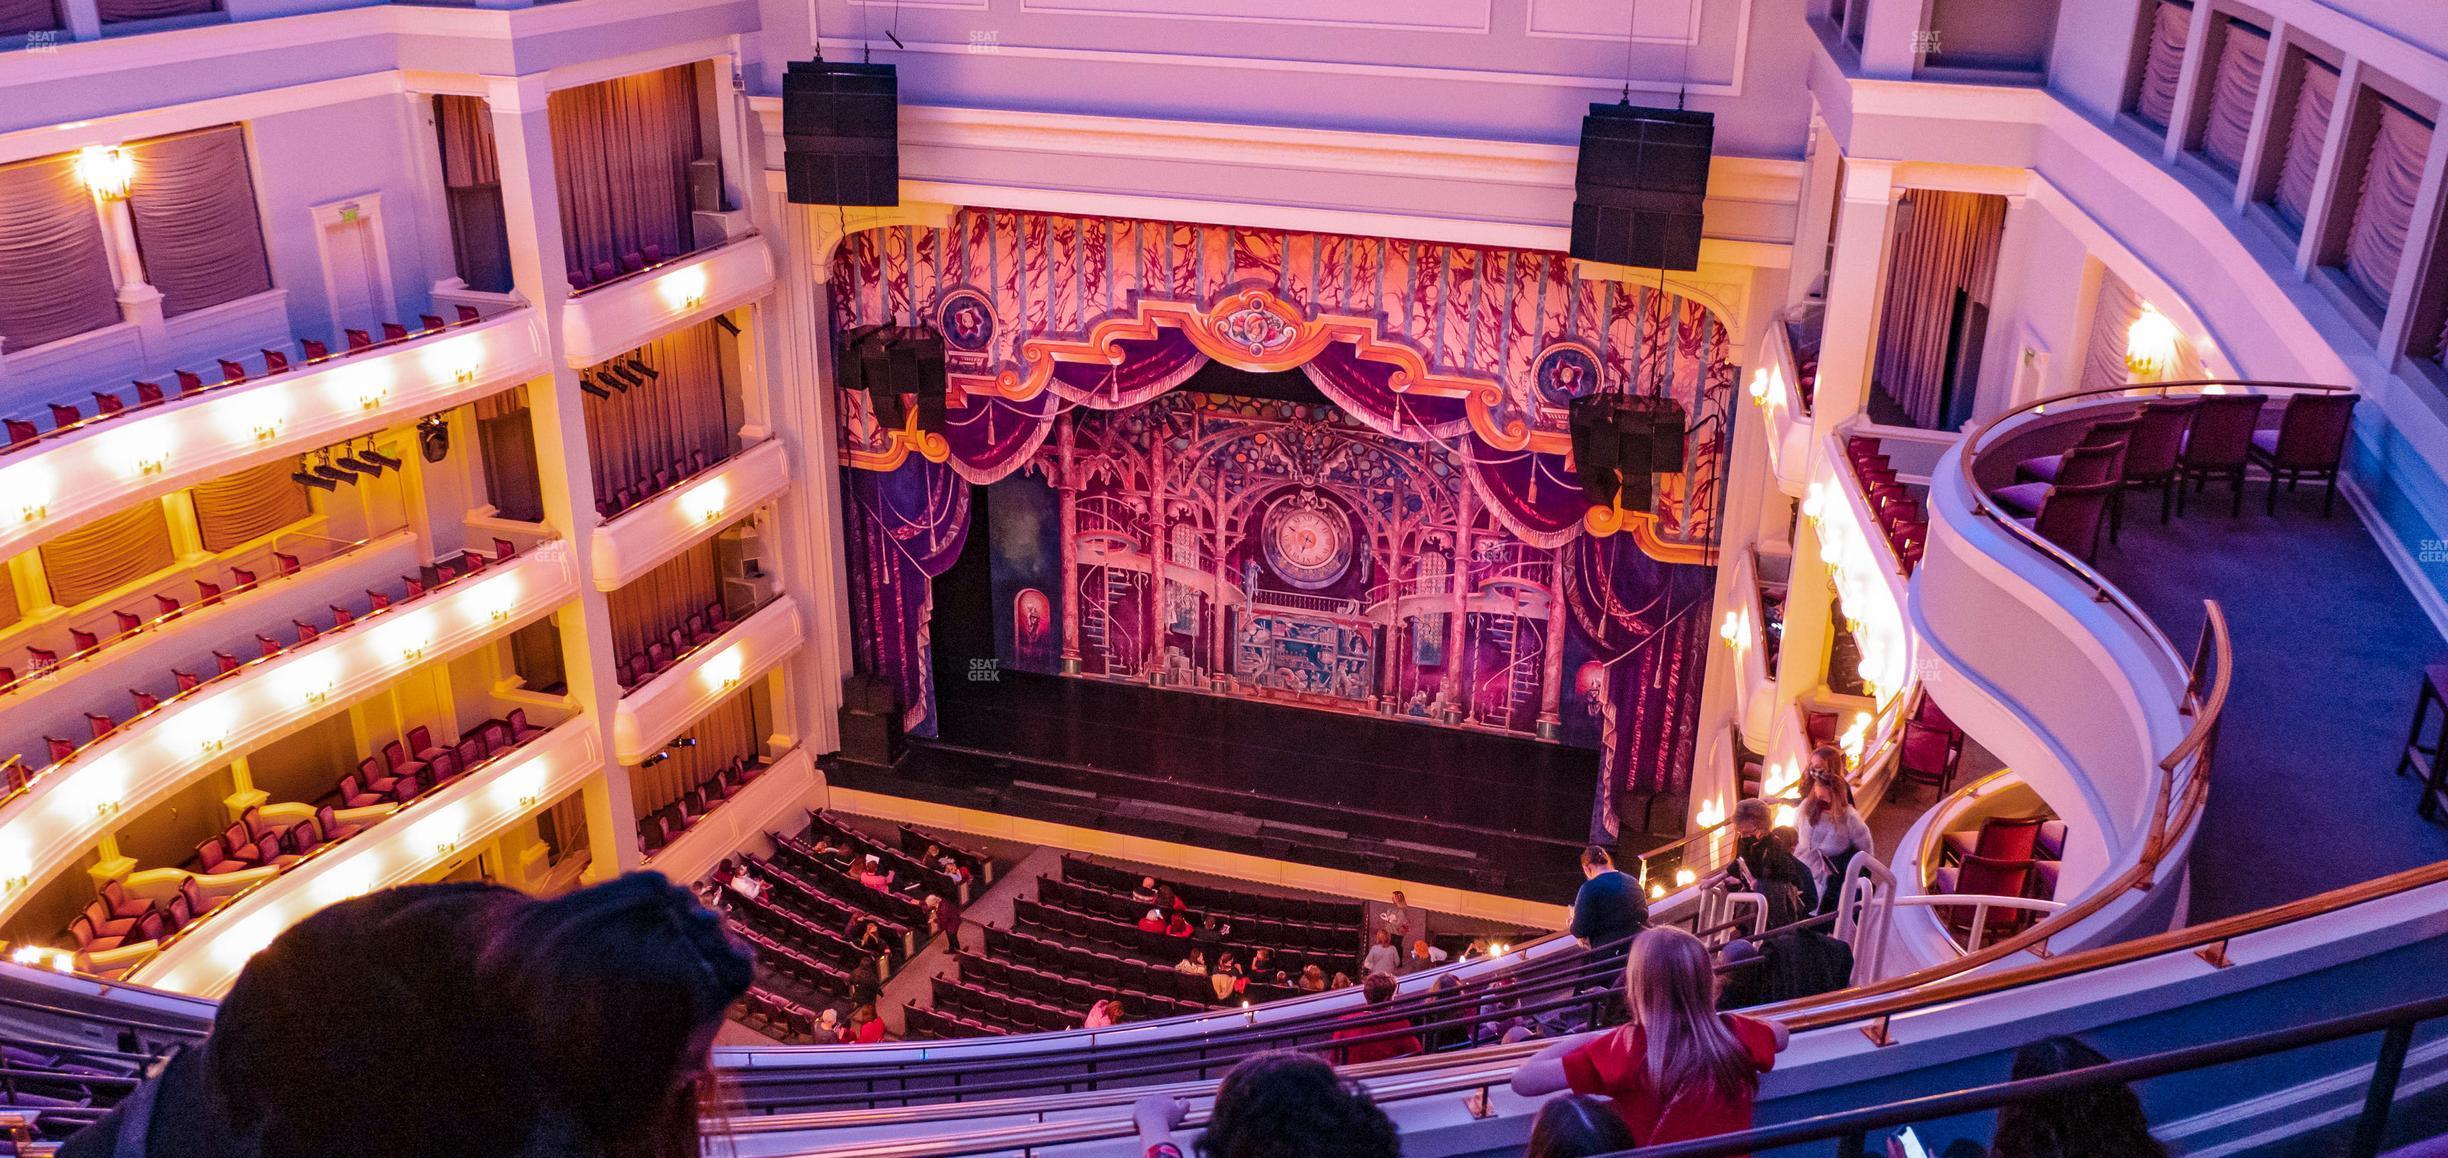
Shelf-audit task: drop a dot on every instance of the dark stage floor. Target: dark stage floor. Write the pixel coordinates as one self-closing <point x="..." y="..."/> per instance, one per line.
<point x="1471" y="809"/>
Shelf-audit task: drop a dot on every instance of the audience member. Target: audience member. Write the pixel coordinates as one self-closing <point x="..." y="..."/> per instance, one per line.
<point x="866" y="982"/>
<point x="1167" y="899"/>
<point x="1262" y="963"/>
<point x="1445" y="994"/>
<point x="2094" y="1120"/>
<point x="1678" y="1069"/>
<point x="1179" y="926"/>
<point x="1382" y="956"/>
<point x="946" y="916"/>
<point x="865" y="1027"/>
<point x="871" y="874"/>
<point x="1341" y="980"/>
<point x="1831" y="832"/>
<point x="829" y="1028"/>
<point x="1274" y="1105"/>
<point x="580" y="1025"/>
<point x="1607" y="911"/>
<point x="1154" y="922"/>
<point x="1763" y="866"/>
<point x="746" y="885"/>
<point x="1106" y="1012"/>
<point x="1394" y="919"/>
<point x="1195" y="964"/>
<point x="1424" y="956"/>
<point x="1378" y="990"/>
<point x="871" y="940"/>
<point x="1575" y="1126"/>
<point x="1146" y="892"/>
<point x="1227" y="979"/>
<point x="1210" y="931"/>
<point x="1312" y="979"/>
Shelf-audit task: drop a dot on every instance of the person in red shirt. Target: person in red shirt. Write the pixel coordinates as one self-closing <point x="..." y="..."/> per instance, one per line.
<point x="1179" y="927"/>
<point x="1379" y="989"/>
<point x="865" y="1027"/>
<point x="1154" y="922"/>
<point x="1680" y="1070"/>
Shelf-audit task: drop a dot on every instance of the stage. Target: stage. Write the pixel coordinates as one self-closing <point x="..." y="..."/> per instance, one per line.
<point x="1471" y="809"/>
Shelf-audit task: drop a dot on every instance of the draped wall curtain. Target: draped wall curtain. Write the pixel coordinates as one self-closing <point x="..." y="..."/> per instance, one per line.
<point x="121" y="11"/>
<point x="653" y="427"/>
<point x="117" y="549"/>
<point x="2315" y="100"/>
<point x="2384" y="209"/>
<point x="249" y="504"/>
<point x="735" y="728"/>
<point x="196" y="223"/>
<point x="2112" y="314"/>
<point x="55" y="274"/>
<point x="652" y="605"/>
<point x="2241" y="58"/>
<point x="622" y="148"/>
<point x="18" y="17"/>
<point x="1950" y="247"/>
<point x="471" y="184"/>
<point x="2163" y="62"/>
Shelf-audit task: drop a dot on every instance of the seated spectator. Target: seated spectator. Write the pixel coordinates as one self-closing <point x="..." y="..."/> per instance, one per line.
<point x="1167" y="899"/>
<point x="1195" y="964"/>
<point x="1154" y="922"/>
<point x="1341" y="980"/>
<point x="1424" y="956"/>
<point x="1379" y="989"/>
<point x="2105" y="1119"/>
<point x="1274" y="1105"/>
<point x="1210" y="931"/>
<point x="829" y="1028"/>
<point x="831" y="854"/>
<point x="1105" y="1013"/>
<point x="1763" y="866"/>
<point x="1262" y="963"/>
<point x="1146" y="892"/>
<point x="1575" y="1126"/>
<point x="1312" y="979"/>
<point x="1179" y="927"/>
<point x="1227" y="978"/>
<point x="865" y="1027"/>
<point x="866" y="982"/>
<point x="1444" y="993"/>
<point x="871" y="940"/>
<point x="1742" y="975"/>
<point x="1382" y="956"/>
<point x="746" y="885"/>
<point x="1696" y="1080"/>
<point x="609" y="997"/>
<point x="873" y="875"/>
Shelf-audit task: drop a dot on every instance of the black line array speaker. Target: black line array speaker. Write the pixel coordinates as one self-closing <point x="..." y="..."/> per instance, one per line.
<point x="841" y="133"/>
<point x="898" y="366"/>
<point x="870" y="721"/>
<point x="1638" y="192"/>
<point x="1620" y="443"/>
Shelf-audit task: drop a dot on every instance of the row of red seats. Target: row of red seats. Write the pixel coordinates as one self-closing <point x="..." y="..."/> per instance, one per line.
<point x="659" y="657"/>
<point x="252" y="842"/>
<point x="114" y="918"/>
<point x="467" y="562"/>
<point x="624" y="497"/>
<point x="669" y="821"/>
<point x="84" y="642"/>
<point x="401" y="772"/>
<point x="65" y="416"/>
<point x="603" y="271"/>
<point x="2009" y="857"/>
<point x="1900" y="515"/>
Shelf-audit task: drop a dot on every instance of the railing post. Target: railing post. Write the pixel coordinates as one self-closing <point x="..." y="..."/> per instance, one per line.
<point x="2385" y="1071"/>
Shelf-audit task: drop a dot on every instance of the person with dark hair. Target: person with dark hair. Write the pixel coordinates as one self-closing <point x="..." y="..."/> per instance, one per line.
<point x="866" y="1027"/>
<point x="2105" y="1119"/>
<point x="577" y="1026"/>
<point x="1832" y="831"/>
<point x="871" y="940"/>
<point x="1577" y="1125"/>
<point x="866" y="982"/>
<point x="1377" y="990"/>
<point x="1274" y="1105"/>
<point x="1761" y="865"/>
<point x="1609" y="907"/>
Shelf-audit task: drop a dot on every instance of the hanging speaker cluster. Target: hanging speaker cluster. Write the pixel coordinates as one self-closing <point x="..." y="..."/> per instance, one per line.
<point x="1640" y="185"/>
<point x="897" y="367"/>
<point x="841" y="133"/>
<point x="1620" y="444"/>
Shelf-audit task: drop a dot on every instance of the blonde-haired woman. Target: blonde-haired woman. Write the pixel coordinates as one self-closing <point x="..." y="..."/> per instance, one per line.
<point x="1679" y="1070"/>
<point x="1832" y="832"/>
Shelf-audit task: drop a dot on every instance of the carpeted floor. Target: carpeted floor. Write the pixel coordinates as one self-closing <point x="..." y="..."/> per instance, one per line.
<point x="2329" y="651"/>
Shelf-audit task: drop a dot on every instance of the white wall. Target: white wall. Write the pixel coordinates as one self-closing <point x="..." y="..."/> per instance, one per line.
<point x="295" y="155"/>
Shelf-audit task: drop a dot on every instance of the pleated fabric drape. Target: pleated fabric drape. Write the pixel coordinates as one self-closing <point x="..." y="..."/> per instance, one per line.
<point x="728" y="732"/>
<point x="2163" y="62"/>
<point x="465" y="126"/>
<point x="471" y="185"/>
<point x="2315" y="100"/>
<point x="55" y="273"/>
<point x="657" y="425"/>
<point x="10" y="613"/>
<point x="2384" y="210"/>
<point x="249" y="504"/>
<point x="2232" y="93"/>
<point x="196" y="224"/>
<point x="119" y="549"/>
<point x="1950" y="246"/>
<point x="2111" y="316"/>
<point x="564" y="827"/>
<point x="18" y="17"/>
<point x="121" y="11"/>
<point x="650" y="606"/>
<point x="622" y="149"/>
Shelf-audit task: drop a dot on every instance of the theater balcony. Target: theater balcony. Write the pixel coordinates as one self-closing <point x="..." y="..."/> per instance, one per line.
<point x="691" y="510"/>
<point x="732" y="658"/>
<point x="628" y="309"/>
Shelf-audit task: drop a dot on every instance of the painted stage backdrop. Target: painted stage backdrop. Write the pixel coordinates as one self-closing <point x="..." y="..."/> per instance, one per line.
<point x="1419" y="547"/>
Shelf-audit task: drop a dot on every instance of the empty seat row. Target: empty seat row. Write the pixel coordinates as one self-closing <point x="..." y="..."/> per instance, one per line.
<point x="797" y="967"/>
<point x="657" y="831"/>
<point x="768" y="915"/>
<point x="1011" y="965"/>
<point x="233" y="371"/>
<point x="1902" y="519"/>
<point x="780" y="1017"/>
<point x="401" y="771"/>
<point x="251" y="841"/>
<point x="629" y="494"/>
<point x="921" y="1023"/>
<point x="586" y="277"/>
<point x="1009" y="1011"/>
<point x="663" y="654"/>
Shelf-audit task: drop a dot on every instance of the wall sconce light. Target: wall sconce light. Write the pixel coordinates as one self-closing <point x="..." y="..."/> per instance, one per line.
<point x="722" y="672"/>
<point x="1657" y="892"/>
<point x="267" y="428"/>
<point x="2151" y="345"/>
<point x="34" y="512"/>
<point x="500" y="599"/>
<point x="1759" y="385"/>
<point x="147" y="455"/>
<point x="1736" y="631"/>
<point x="705" y="503"/>
<point x="684" y="289"/>
<point x="314" y="681"/>
<point x="1685" y="878"/>
<point x="107" y="170"/>
<point x="458" y="360"/>
<point x="409" y="639"/>
<point x="1712" y="813"/>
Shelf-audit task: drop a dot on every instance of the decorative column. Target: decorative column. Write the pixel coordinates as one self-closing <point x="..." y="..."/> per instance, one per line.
<point x="1551" y="664"/>
<point x="110" y="172"/>
<point x="1066" y="485"/>
<point x="531" y="209"/>
<point x="1457" y="579"/>
<point x="1160" y="543"/>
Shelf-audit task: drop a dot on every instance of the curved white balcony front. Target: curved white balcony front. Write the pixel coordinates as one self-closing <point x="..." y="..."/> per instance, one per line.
<point x="692" y="511"/>
<point x="70" y="805"/>
<point x="63" y="483"/>
<point x="396" y="850"/>
<point x="659" y="708"/>
<point x="621" y="315"/>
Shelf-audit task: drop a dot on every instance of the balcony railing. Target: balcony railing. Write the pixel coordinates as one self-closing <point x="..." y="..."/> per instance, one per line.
<point x="627" y="312"/>
<point x="690" y="511"/>
<point x="716" y="670"/>
<point x="67" y="807"/>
